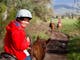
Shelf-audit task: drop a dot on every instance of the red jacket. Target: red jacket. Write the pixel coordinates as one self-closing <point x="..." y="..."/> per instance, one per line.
<point x="15" y="40"/>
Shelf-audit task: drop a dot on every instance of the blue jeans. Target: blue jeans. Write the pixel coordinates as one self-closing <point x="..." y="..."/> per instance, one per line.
<point x="28" y="58"/>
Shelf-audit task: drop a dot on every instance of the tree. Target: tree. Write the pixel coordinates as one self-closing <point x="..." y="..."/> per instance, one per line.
<point x="40" y="8"/>
<point x="2" y="10"/>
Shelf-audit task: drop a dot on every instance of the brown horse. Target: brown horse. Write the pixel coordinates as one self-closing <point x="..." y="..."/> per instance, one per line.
<point x="52" y="26"/>
<point x="39" y="48"/>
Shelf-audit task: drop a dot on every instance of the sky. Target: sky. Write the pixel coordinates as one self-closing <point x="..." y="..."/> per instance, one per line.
<point x="69" y="3"/>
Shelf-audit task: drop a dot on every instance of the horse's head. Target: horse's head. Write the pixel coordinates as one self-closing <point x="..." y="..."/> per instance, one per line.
<point x="39" y="48"/>
<point x="43" y="42"/>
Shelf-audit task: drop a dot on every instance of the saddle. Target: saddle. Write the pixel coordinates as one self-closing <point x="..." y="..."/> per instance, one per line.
<point x="7" y="56"/>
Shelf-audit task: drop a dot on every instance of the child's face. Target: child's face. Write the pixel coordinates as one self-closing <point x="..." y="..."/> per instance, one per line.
<point x="25" y="22"/>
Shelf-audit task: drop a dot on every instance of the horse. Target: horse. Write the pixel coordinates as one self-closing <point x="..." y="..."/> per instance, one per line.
<point x="52" y="26"/>
<point x="38" y="48"/>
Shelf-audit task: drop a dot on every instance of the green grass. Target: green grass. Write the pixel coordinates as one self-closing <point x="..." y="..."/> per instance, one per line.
<point x="68" y="26"/>
<point x="74" y="48"/>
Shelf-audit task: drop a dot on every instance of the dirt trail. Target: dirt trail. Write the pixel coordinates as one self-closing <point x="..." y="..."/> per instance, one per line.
<point x="53" y="56"/>
<point x="49" y="56"/>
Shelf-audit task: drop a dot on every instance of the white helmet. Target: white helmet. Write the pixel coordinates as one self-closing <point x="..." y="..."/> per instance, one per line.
<point x="24" y="13"/>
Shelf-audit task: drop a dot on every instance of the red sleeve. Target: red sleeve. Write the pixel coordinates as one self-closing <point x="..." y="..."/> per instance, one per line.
<point x="19" y="40"/>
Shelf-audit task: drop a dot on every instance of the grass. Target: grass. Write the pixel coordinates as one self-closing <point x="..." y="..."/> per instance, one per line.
<point x="68" y="26"/>
<point x="74" y="48"/>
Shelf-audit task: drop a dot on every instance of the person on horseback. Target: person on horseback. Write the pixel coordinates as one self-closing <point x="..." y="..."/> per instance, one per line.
<point x="15" y="42"/>
<point x="59" y="24"/>
<point x="52" y="25"/>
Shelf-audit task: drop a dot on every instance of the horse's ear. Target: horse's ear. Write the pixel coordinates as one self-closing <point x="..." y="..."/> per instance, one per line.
<point x="38" y="37"/>
<point x="48" y="40"/>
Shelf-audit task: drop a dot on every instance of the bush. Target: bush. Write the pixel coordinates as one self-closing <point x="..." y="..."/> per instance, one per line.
<point x="74" y="48"/>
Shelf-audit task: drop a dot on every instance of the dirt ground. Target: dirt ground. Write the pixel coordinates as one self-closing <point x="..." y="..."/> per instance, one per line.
<point x="52" y="56"/>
